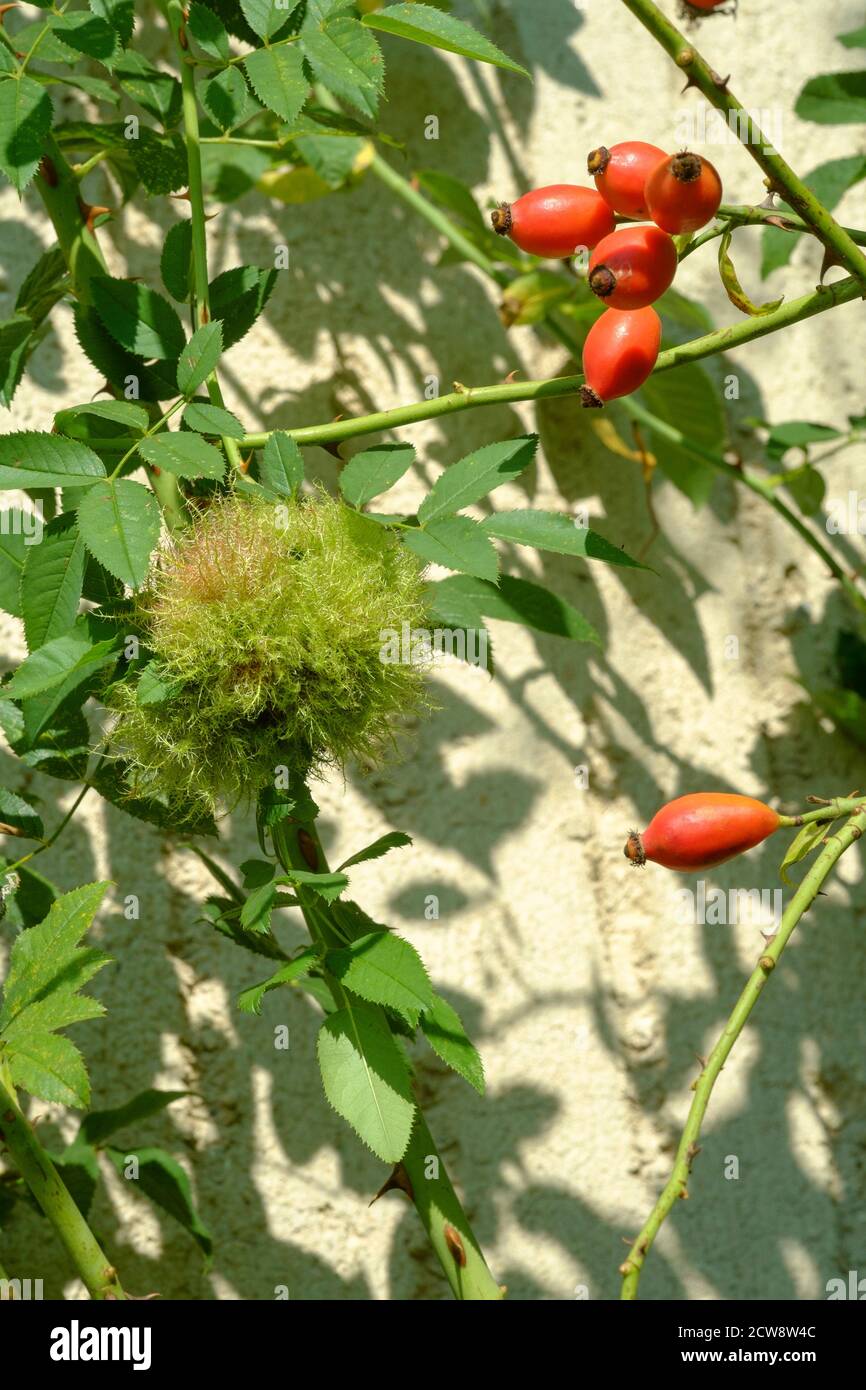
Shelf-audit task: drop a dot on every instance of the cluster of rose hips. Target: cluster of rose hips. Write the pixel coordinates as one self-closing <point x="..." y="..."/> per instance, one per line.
<point x="631" y="266"/>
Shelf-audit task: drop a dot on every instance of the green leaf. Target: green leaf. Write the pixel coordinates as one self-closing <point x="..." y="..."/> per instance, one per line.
<point x="733" y="289"/>
<point x="687" y="396"/>
<point x="835" y="98"/>
<point x="328" y="886"/>
<point x="374" y="471"/>
<point x="237" y="297"/>
<point x="47" y="969"/>
<point x="119" y="366"/>
<point x="175" y="265"/>
<point x="75" y="655"/>
<point x="476" y="475"/>
<point x="199" y="357"/>
<point x="256" y="911"/>
<point x="227" y="99"/>
<point x="394" y="839"/>
<point x="16" y="812"/>
<point x="250" y="1000"/>
<point x="366" y="1078"/>
<point x="160" y="161"/>
<point x="458" y="543"/>
<point x="281" y="467"/>
<point x="277" y="77"/>
<point x="447" y="1036"/>
<point x="807" y="839"/>
<point x="44" y="285"/>
<point x="25" y="120"/>
<point x="120" y="14"/>
<point x="267" y="17"/>
<point x="797" y="434"/>
<point x="334" y="159"/>
<point x="383" y="969"/>
<point x="557" y="532"/>
<point x="156" y="92"/>
<point x="347" y="59"/>
<point x="855" y="38"/>
<point x="807" y="487"/>
<point x="29" y="459"/>
<point x="99" y="1124"/>
<point x="212" y="419"/>
<point x="425" y="25"/>
<point x="450" y="193"/>
<point x="463" y="602"/>
<point x="162" y="1179"/>
<point x="138" y="318"/>
<point x="77" y="422"/>
<point x="13" y="553"/>
<point x="120" y="523"/>
<point x="208" y="31"/>
<point x="87" y="34"/>
<point x="17" y="340"/>
<point x="184" y="454"/>
<point x="52" y="581"/>
<point x="221" y="914"/>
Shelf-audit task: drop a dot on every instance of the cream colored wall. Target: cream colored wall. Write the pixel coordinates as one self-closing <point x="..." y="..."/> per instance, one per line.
<point x="587" y="1000"/>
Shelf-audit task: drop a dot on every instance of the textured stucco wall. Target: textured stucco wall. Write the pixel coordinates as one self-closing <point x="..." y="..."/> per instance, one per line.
<point x="588" y="1002"/>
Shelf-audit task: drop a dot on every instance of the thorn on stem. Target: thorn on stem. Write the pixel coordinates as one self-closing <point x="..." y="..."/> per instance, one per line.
<point x="455" y="1244"/>
<point x="397" y="1179"/>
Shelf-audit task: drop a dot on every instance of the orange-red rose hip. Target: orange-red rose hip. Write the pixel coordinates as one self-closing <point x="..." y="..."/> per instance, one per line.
<point x="554" y="221"/>
<point x="702" y="830"/>
<point x="621" y="173"/>
<point x="619" y="353"/>
<point x="683" y="193"/>
<point x="633" y="267"/>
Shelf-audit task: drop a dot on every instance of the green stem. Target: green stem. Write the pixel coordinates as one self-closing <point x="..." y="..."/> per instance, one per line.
<point x="839" y="806"/>
<point x="781" y="177"/>
<point x="677" y="1185"/>
<point x="43" y="1180"/>
<point x="757" y="485"/>
<point x="201" y="289"/>
<point x="436" y="218"/>
<point x="468" y="398"/>
<point x="421" y="1171"/>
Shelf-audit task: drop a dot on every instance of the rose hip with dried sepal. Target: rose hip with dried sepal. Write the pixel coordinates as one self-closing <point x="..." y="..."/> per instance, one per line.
<point x="702" y="830"/>
<point x="619" y="353"/>
<point x="553" y="221"/>
<point x="683" y="193"/>
<point x="633" y="267"/>
<point x="621" y="172"/>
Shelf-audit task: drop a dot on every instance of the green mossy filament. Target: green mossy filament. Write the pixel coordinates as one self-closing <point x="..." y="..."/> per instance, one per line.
<point x="266" y="622"/>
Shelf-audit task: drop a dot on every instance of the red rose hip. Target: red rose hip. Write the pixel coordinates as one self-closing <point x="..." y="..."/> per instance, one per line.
<point x="633" y="267"/>
<point x="702" y="830"/>
<point x="621" y="173"/>
<point x="619" y="353"/>
<point x="554" y="221"/>
<point x="683" y="193"/>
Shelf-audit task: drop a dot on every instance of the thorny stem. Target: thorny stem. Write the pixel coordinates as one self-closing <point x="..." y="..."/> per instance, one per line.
<point x="467" y="398"/>
<point x="781" y="177"/>
<point x="432" y="1194"/>
<point x="201" y="292"/>
<point x="39" y="1173"/>
<point x="677" y="1185"/>
<point x="736" y="216"/>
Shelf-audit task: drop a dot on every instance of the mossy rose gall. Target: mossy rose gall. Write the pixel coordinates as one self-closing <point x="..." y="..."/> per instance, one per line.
<point x="265" y="626"/>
